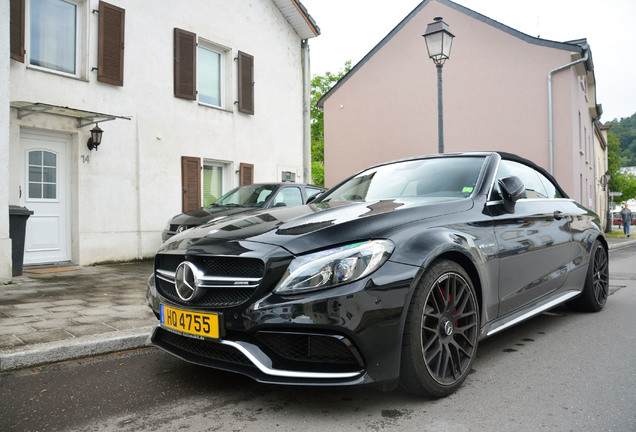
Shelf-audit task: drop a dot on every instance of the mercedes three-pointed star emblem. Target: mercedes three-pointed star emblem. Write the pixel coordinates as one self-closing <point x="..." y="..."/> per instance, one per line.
<point x="186" y="281"/>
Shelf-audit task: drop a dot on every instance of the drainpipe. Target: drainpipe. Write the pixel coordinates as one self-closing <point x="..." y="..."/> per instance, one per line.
<point x="306" y="113"/>
<point x="550" y="120"/>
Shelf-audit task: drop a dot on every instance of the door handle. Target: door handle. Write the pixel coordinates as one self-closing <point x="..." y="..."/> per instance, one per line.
<point x="558" y="215"/>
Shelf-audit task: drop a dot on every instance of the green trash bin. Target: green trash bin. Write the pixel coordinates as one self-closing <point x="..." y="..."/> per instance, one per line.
<point x="17" y="231"/>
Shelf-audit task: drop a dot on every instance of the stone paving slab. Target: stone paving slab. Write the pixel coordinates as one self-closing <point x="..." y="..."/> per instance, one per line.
<point x="48" y="317"/>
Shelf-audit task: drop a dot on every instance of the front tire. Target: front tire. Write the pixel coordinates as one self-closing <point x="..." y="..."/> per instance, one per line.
<point x="441" y="332"/>
<point x="596" y="288"/>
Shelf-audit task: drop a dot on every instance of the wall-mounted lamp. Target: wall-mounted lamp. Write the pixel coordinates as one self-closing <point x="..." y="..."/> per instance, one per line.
<point x="96" y="138"/>
<point x="605" y="179"/>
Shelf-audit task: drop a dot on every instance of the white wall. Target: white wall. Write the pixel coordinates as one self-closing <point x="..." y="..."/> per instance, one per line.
<point x="125" y="194"/>
<point x="5" y="241"/>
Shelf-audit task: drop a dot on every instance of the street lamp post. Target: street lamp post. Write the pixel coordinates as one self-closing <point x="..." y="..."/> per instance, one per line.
<point x="438" y="43"/>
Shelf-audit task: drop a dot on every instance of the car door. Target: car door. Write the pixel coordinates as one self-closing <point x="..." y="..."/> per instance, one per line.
<point x="534" y="242"/>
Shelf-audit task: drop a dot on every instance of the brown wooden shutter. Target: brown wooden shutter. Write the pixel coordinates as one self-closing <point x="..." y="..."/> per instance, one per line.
<point x="191" y="183"/>
<point x="110" y="63"/>
<point x="246" y="173"/>
<point x="245" y="83"/>
<point x="17" y="30"/>
<point x="185" y="76"/>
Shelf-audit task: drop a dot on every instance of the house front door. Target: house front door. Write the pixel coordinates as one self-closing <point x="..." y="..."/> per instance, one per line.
<point x="45" y="190"/>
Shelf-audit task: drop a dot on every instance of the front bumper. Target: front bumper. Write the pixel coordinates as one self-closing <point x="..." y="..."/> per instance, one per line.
<point x="346" y="335"/>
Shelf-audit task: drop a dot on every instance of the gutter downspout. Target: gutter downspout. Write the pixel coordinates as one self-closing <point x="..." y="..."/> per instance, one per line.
<point x="550" y="114"/>
<point x="306" y="113"/>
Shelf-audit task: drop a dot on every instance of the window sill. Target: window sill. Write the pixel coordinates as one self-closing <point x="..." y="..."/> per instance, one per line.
<point x="201" y="104"/>
<point x="54" y="72"/>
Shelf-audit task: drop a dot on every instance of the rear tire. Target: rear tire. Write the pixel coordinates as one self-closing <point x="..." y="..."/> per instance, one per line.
<point x="596" y="288"/>
<point x="441" y="332"/>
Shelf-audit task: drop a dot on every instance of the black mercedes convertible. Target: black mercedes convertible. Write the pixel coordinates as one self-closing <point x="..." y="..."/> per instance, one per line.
<point x="390" y="278"/>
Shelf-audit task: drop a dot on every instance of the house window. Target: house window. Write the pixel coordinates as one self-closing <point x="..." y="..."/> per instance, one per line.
<point x="42" y="175"/>
<point x="202" y="72"/>
<point x="210" y="74"/>
<point x="54" y="34"/>
<point x="213" y="182"/>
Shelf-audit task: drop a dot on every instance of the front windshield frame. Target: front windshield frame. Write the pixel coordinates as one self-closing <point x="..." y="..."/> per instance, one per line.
<point x="434" y="179"/>
<point x="254" y="195"/>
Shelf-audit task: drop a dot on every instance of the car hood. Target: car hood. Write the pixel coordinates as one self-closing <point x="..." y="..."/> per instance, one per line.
<point x="201" y="216"/>
<point x="315" y="226"/>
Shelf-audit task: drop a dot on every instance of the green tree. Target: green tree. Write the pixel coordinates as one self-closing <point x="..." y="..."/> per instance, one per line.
<point x="613" y="155"/>
<point x="625" y="184"/>
<point x="320" y="85"/>
<point x="625" y="131"/>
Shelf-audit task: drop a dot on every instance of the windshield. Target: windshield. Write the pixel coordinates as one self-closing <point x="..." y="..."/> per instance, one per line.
<point x="245" y="196"/>
<point x="438" y="178"/>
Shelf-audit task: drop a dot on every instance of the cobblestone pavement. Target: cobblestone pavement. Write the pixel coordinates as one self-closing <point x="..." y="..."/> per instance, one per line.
<point x="61" y="308"/>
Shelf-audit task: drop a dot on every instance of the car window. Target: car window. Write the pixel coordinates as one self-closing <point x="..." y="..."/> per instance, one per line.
<point x="434" y="178"/>
<point x="552" y="190"/>
<point x="289" y="196"/>
<point x="535" y="188"/>
<point x="246" y="196"/>
<point x="312" y="192"/>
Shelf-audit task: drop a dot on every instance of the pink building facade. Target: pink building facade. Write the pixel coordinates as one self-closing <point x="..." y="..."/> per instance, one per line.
<point x="495" y="95"/>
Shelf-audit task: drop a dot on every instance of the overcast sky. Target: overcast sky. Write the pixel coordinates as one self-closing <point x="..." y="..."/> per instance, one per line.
<point x="351" y="28"/>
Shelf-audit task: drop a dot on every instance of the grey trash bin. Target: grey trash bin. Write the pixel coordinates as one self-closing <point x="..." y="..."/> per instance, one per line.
<point x="17" y="231"/>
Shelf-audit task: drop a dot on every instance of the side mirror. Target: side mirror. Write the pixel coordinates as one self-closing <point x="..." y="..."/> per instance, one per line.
<point x="511" y="190"/>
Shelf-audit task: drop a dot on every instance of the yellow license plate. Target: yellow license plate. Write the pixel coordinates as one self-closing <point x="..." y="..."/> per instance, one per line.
<point x="190" y="322"/>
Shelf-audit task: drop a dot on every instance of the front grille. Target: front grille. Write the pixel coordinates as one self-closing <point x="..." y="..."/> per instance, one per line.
<point x="229" y="281"/>
<point x="213" y="297"/>
<point x="233" y="267"/>
<point x="215" y="265"/>
<point x="203" y="349"/>
<point x="313" y="348"/>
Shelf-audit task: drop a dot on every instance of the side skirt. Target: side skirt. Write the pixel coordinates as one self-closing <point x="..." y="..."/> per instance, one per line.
<point x="515" y="318"/>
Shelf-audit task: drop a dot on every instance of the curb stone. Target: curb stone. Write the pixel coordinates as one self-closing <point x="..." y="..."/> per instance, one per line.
<point x="82" y="347"/>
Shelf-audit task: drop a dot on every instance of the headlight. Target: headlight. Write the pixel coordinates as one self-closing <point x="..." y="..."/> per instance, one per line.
<point x="328" y="268"/>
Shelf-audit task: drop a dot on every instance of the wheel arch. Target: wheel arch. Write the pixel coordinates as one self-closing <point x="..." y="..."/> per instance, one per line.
<point x="458" y="256"/>
<point x="603" y="240"/>
<point x="469" y="266"/>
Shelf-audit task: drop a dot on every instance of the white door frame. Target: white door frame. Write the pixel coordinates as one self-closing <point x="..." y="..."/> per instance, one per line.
<point x="48" y="230"/>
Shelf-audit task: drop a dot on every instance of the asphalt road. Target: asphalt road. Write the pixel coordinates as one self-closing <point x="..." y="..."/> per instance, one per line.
<point x="561" y="371"/>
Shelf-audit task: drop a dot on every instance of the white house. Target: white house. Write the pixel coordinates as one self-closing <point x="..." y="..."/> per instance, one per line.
<point x="193" y="98"/>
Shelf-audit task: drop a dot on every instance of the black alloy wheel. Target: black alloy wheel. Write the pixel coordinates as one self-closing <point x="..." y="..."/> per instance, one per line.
<point x="596" y="287"/>
<point x="441" y="332"/>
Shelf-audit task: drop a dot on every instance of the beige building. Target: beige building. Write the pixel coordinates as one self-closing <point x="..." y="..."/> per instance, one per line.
<point x="193" y="98"/>
<point x="601" y="172"/>
<point x="502" y="90"/>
